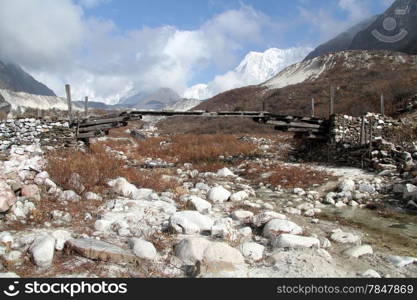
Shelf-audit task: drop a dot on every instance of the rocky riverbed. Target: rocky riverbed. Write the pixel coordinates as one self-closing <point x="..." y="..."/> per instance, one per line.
<point x="218" y="225"/>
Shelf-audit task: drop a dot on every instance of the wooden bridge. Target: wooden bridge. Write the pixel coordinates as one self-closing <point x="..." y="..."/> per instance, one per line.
<point x="305" y="127"/>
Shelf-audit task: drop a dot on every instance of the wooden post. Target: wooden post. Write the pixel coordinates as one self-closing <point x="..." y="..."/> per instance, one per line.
<point x="362" y="135"/>
<point x="382" y="105"/>
<point x="371" y="134"/>
<point x="312" y="108"/>
<point x="86" y="107"/>
<point x="263" y="105"/>
<point x="39" y="113"/>
<point x="68" y="91"/>
<point x="332" y="95"/>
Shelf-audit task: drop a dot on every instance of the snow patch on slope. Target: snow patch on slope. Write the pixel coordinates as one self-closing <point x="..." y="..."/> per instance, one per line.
<point x="183" y="105"/>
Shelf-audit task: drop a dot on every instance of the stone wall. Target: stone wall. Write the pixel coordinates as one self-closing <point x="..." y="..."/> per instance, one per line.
<point x="30" y="130"/>
<point x="347" y="129"/>
<point x="376" y="151"/>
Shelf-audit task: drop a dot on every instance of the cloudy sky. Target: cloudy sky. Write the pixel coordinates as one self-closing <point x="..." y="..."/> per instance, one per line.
<point x="108" y="48"/>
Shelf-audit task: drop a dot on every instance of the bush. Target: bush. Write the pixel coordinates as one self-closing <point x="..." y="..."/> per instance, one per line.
<point x="287" y="176"/>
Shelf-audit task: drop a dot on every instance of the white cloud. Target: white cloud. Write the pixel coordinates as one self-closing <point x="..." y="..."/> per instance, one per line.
<point x="58" y="44"/>
<point x="39" y="32"/>
<point x="327" y="24"/>
<point x="92" y="3"/>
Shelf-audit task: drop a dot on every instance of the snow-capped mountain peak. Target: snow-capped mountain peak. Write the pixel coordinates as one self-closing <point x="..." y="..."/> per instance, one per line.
<point x="255" y="68"/>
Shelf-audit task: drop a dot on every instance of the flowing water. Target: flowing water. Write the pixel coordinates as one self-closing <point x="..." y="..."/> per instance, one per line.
<point x="391" y="229"/>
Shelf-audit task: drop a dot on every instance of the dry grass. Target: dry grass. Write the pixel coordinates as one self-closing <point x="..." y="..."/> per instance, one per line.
<point x="287" y="176"/>
<point x="96" y="167"/>
<point x="203" y="151"/>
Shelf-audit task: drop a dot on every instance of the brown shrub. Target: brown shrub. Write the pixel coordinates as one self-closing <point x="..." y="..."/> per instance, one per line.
<point x="203" y="151"/>
<point x="287" y="176"/>
<point x="96" y="167"/>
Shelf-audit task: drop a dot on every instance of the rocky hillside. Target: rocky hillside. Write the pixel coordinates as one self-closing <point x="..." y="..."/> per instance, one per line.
<point x="359" y="77"/>
<point x="393" y="30"/>
<point x="20" y="100"/>
<point x="14" y="78"/>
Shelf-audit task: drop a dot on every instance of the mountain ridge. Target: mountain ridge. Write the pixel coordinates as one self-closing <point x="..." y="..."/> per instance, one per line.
<point x="393" y="30"/>
<point x="14" y="78"/>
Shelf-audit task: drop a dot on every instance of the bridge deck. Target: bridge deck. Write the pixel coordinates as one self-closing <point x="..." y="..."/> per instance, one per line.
<point x="97" y="126"/>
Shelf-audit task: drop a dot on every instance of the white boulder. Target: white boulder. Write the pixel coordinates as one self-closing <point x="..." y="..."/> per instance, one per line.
<point x="239" y="196"/>
<point x="42" y="251"/>
<point x="190" y="222"/>
<point x="252" y="251"/>
<point x="358" y="251"/>
<point x="218" y="194"/>
<point x="295" y="241"/>
<point x="225" y="172"/>
<point x="278" y="226"/>
<point x="122" y="187"/>
<point x="143" y="249"/>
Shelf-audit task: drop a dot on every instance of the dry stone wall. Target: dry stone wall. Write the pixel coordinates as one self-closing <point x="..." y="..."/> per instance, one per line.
<point x="30" y="130"/>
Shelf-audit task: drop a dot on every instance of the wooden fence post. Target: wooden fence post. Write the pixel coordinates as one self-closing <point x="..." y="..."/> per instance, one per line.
<point x="362" y="135"/>
<point x="332" y="96"/>
<point x="68" y="91"/>
<point x="312" y="108"/>
<point x="382" y="105"/>
<point x="86" y="107"/>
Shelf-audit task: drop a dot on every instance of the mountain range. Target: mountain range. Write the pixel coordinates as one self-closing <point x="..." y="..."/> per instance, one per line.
<point x="394" y="30"/>
<point x="359" y="76"/>
<point x="14" y="78"/>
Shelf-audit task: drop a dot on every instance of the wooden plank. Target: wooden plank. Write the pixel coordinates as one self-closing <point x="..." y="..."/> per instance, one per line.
<point x="103" y="121"/>
<point x="294" y="124"/>
<point x="102" y="127"/>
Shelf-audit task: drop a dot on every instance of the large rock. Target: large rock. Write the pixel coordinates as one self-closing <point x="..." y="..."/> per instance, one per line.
<point x="358" y="251"/>
<point x="143" y="194"/>
<point x="191" y="250"/>
<point x="42" y="251"/>
<point x="69" y="196"/>
<point x="98" y="250"/>
<point x="199" y="204"/>
<point x="90" y="196"/>
<point x="75" y="183"/>
<point x="295" y="241"/>
<point x="242" y="216"/>
<point x="123" y="187"/>
<point x="31" y="192"/>
<point x="218" y="194"/>
<point x="347" y="185"/>
<point x="252" y="251"/>
<point x="61" y="236"/>
<point x="221" y="255"/>
<point x="239" y="196"/>
<point x="265" y="217"/>
<point x="190" y="222"/>
<point x="402" y="261"/>
<point x="277" y="226"/>
<point x="7" y="197"/>
<point x="225" y="172"/>
<point x="224" y="228"/>
<point x="143" y="249"/>
<point x="345" y="237"/>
